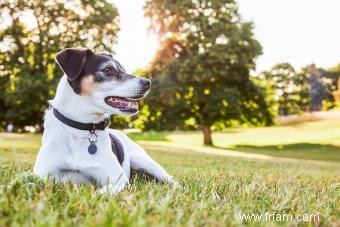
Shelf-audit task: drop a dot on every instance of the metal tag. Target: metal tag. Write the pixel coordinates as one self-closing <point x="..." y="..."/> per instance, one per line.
<point x="92" y="148"/>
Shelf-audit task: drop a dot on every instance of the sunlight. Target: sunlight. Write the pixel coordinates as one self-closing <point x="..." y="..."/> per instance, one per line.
<point x="136" y="46"/>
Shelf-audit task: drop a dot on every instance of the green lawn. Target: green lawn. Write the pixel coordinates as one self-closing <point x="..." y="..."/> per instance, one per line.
<point x="312" y="140"/>
<point x="215" y="187"/>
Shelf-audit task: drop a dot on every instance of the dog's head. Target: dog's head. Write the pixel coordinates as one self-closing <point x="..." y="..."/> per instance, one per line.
<point x="102" y="80"/>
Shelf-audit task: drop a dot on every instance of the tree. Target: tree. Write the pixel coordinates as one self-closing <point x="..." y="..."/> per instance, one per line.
<point x="201" y="72"/>
<point x="32" y="32"/>
<point x="322" y="82"/>
<point x="290" y="89"/>
<point x="330" y="78"/>
<point x="334" y="75"/>
<point x="335" y="87"/>
<point x="317" y="90"/>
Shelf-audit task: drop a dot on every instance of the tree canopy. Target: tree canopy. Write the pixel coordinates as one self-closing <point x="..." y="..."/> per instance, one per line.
<point x="201" y="72"/>
<point x="289" y="88"/>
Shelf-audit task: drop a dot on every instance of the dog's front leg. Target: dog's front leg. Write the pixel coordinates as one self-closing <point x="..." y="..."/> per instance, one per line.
<point x="110" y="175"/>
<point x="115" y="184"/>
<point x="112" y="188"/>
<point x="141" y="161"/>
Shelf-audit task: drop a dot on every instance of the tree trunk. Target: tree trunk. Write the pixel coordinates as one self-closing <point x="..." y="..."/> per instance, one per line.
<point x="207" y="135"/>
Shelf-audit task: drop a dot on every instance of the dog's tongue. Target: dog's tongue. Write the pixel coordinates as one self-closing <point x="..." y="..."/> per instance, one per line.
<point x="122" y="103"/>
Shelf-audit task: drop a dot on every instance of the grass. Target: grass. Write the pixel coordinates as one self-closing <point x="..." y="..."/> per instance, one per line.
<point x="215" y="187"/>
<point x="311" y="140"/>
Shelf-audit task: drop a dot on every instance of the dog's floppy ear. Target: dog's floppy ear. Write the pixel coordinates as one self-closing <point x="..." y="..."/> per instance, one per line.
<point x="72" y="60"/>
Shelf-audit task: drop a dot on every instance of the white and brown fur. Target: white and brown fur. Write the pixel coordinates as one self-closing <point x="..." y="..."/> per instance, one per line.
<point x="90" y="78"/>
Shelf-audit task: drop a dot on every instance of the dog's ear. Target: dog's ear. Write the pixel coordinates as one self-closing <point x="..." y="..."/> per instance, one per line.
<point x="72" y="60"/>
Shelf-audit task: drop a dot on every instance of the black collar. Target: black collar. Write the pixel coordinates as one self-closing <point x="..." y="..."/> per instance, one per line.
<point x="92" y="127"/>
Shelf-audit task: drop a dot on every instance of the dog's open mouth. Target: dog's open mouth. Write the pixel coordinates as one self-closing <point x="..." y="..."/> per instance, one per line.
<point x="123" y="104"/>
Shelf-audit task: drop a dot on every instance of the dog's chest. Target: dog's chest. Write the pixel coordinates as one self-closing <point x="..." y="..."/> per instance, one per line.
<point x="79" y="155"/>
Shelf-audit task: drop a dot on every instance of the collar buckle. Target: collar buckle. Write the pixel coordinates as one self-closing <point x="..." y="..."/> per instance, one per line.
<point x="93" y="130"/>
<point x="106" y="122"/>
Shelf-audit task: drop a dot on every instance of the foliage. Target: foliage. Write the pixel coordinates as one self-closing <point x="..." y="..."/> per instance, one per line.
<point x="291" y="92"/>
<point x="34" y="33"/>
<point x="119" y="122"/>
<point x="269" y="92"/>
<point x="330" y="78"/>
<point x="322" y="82"/>
<point x="201" y="72"/>
<point x="212" y="193"/>
<point x="335" y="76"/>
<point x="288" y="88"/>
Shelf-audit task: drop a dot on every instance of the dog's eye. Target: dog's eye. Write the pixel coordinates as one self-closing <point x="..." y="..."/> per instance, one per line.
<point x="108" y="70"/>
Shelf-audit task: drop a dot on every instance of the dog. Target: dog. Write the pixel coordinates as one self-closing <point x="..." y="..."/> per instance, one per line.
<point x="77" y="145"/>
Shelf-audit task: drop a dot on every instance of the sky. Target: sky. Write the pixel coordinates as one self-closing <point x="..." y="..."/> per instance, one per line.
<point x="300" y="32"/>
<point x="136" y="44"/>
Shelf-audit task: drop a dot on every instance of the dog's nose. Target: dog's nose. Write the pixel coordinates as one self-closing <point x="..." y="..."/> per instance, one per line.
<point x="145" y="82"/>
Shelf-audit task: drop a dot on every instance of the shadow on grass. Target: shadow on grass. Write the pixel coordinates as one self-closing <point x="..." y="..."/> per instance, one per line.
<point x="163" y="135"/>
<point x="322" y="152"/>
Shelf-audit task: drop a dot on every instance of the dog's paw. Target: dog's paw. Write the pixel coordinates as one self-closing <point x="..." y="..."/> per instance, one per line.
<point x="175" y="184"/>
<point x="109" y="189"/>
<point x="106" y="191"/>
